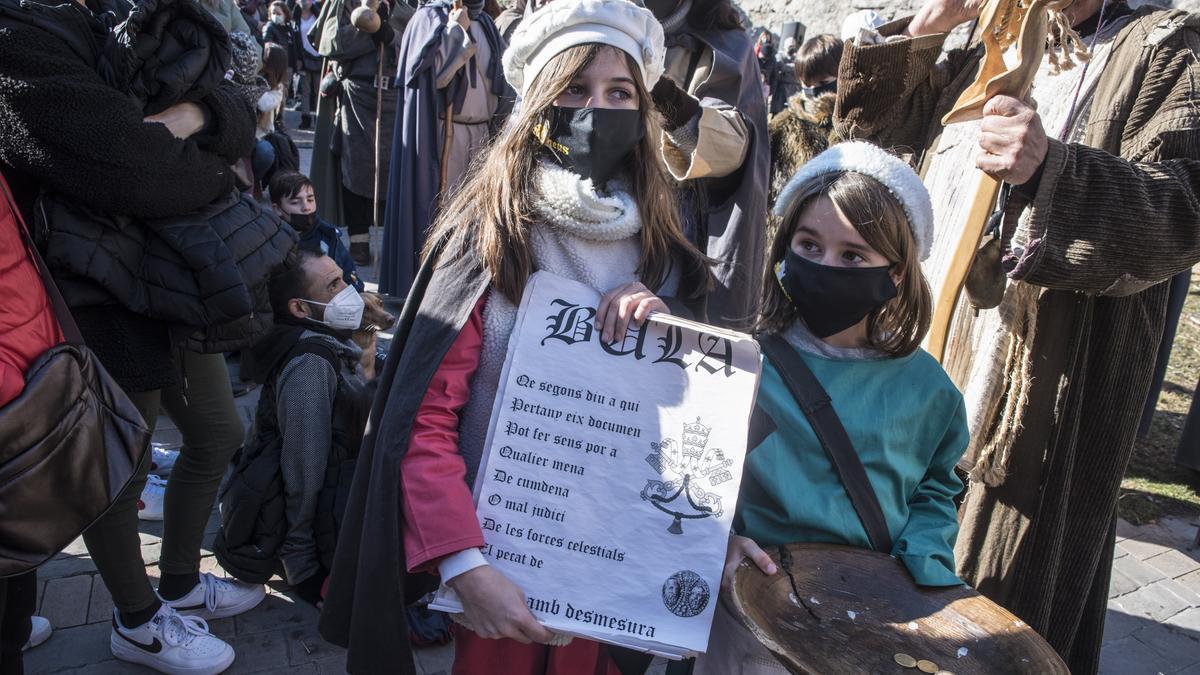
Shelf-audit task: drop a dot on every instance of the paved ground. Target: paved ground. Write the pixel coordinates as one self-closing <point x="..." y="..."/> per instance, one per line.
<point x="1153" y="620"/>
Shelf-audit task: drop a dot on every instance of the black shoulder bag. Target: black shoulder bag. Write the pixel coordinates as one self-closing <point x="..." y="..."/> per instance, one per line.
<point x="818" y="408"/>
<point x="69" y="443"/>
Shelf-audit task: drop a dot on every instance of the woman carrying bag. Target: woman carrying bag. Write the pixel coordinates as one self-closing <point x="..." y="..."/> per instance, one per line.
<point x="162" y="264"/>
<point x="55" y="402"/>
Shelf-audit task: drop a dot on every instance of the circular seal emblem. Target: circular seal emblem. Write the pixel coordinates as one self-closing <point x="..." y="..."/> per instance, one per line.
<point x="685" y="593"/>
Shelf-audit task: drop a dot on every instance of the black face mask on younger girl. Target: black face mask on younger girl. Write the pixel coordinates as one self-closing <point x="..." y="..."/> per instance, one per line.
<point x="832" y="299"/>
<point x="592" y="142"/>
<point x="829" y="87"/>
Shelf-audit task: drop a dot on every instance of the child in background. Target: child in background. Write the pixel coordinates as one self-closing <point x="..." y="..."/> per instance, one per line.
<point x="294" y="200"/>
<point x="279" y="28"/>
<point x="845" y="291"/>
<point x="816" y="66"/>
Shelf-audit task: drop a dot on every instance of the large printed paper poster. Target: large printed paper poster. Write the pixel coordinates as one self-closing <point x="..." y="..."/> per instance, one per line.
<point x="611" y="471"/>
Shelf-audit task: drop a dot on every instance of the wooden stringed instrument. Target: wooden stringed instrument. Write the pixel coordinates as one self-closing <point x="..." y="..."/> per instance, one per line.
<point x="840" y="609"/>
<point x="1004" y="23"/>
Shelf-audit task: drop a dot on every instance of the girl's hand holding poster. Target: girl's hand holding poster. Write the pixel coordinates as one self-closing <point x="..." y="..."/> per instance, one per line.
<point x="611" y="473"/>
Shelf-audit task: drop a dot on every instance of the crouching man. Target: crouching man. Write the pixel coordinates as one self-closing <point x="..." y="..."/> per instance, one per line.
<point x="282" y="507"/>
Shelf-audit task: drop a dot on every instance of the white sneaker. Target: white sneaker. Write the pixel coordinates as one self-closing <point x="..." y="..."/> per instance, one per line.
<point x="171" y="643"/>
<point x="40" y="633"/>
<point x="162" y="459"/>
<point x="150" y="504"/>
<point x="215" y="598"/>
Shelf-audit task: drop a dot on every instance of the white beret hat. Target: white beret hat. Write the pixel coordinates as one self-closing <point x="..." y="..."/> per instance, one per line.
<point x="870" y="160"/>
<point x="563" y="24"/>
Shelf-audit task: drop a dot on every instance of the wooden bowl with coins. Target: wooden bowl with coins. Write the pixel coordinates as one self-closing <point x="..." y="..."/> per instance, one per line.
<point x="840" y="609"/>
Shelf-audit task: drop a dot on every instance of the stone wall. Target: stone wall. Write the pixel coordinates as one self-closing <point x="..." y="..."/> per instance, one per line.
<point x="826" y="17"/>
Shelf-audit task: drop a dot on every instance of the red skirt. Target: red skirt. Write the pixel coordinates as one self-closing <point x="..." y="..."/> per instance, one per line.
<point x="474" y="655"/>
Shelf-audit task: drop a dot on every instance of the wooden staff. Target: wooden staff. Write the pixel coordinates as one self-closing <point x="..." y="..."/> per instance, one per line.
<point x="447" y="139"/>
<point x="378" y="127"/>
<point x="998" y="19"/>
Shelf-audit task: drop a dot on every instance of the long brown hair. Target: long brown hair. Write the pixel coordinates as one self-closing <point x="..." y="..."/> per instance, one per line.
<point x="275" y="64"/>
<point x="491" y="213"/>
<point x="901" y="323"/>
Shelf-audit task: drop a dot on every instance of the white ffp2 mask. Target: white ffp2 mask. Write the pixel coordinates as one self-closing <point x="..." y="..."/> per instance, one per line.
<point x="344" y="311"/>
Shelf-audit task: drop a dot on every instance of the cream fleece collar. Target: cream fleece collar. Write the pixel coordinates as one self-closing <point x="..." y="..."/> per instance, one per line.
<point x="573" y="205"/>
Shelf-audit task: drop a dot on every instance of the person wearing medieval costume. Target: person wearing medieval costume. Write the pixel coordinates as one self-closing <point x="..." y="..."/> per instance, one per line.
<point x="361" y="66"/>
<point x="600" y="213"/>
<point x="1103" y="176"/>
<point x="454" y="99"/>
<point x="715" y="144"/>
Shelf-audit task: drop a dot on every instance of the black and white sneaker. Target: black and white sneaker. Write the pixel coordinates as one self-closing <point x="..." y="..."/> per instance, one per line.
<point x="171" y="643"/>
<point x="215" y="598"/>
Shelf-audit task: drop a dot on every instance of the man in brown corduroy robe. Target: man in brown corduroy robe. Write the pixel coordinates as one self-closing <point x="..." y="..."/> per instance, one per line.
<point x="1096" y="223"/>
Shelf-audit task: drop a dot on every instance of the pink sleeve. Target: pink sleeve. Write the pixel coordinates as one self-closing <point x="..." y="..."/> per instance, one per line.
<point x="439" y="512"/>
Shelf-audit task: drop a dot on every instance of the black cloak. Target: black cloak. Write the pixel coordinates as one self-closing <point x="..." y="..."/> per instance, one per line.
<point x="368" y="586"/>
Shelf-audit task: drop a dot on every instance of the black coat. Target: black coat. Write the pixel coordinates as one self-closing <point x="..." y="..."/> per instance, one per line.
<point x="67" y="128"/>
<point x="170" y="51"/>
<point x="197" y="269"/>
<point x="284" y="36"/>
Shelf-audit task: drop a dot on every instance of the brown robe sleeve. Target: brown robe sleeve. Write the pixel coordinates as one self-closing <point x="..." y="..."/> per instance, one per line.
<point x="888" y="93"/>
<point x="1109" y="225"/>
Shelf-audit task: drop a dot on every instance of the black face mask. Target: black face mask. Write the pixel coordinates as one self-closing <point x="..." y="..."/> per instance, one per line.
<point x="474" y="9"/>
<point x="821" y="89"/>
<point x="302" y="222"/>
<point x="832" y="299"/>
<point x="662" y="9"/>
<point x="592" y="142"/>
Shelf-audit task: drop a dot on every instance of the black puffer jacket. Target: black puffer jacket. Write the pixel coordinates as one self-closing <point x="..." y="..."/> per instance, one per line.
<point x="197" y="269"/>
<point x="171" y="51"/>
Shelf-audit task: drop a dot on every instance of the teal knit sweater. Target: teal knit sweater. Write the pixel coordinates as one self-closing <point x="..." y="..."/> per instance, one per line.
<point x="907" y="422"/>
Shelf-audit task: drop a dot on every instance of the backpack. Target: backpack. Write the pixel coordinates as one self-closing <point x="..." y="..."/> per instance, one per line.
<point x="252" y="504"/>
<point x="287" y="155"/>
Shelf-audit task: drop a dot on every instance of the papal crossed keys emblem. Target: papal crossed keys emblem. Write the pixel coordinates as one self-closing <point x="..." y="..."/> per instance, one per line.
<point x="691" y="462"/>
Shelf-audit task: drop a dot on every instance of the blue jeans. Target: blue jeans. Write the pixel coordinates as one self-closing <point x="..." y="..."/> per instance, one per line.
<point x="262" y="160"/>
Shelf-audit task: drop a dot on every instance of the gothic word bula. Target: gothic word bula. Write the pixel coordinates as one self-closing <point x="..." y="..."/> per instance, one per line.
<point x="574" y="324"/>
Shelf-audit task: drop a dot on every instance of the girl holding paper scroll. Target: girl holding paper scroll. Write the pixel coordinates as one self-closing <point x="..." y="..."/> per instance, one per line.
<point x="572" y="186"/>
<point x="846" y="294"/>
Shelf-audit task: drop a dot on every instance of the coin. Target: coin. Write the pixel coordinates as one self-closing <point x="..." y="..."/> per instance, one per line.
<point x="906" y="661"/>
<point x="944" y="672"/>
<point x="927" y="666"/>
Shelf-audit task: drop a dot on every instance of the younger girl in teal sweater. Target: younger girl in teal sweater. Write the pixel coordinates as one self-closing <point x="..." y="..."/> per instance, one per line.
<point x="845" y="290"/>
